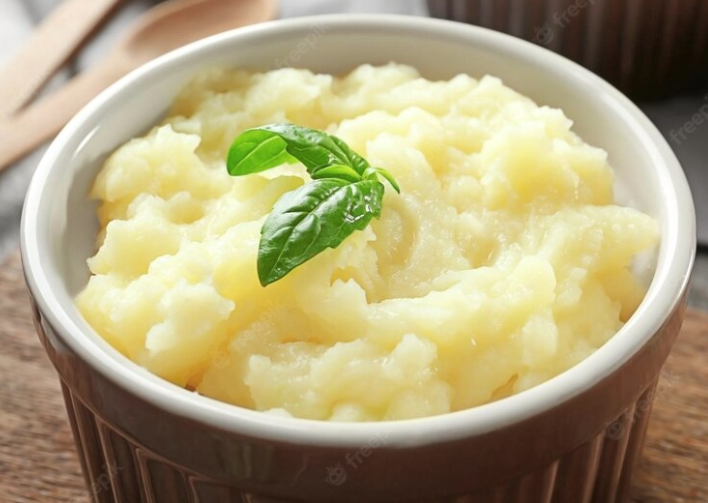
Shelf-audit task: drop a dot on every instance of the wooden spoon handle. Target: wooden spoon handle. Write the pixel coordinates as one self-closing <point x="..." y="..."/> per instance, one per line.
<point x="36" y="124"/>
<point x="53" y="43"/>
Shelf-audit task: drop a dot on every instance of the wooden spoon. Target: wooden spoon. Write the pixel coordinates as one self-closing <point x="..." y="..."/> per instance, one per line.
<point x="165" y="27"/>
<point x="49" y="48"/>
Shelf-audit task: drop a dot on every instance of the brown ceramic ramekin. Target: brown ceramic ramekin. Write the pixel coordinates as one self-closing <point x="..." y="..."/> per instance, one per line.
<point x="647" y="48"/>
<point x="574" y="439"/>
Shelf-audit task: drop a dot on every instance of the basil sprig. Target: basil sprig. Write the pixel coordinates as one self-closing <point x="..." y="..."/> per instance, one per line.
<point x="344" y="195"/>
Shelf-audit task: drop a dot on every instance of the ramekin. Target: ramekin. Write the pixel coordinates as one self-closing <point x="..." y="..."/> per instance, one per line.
<point x="575" y="438"/>
<point x="649" y="49"/>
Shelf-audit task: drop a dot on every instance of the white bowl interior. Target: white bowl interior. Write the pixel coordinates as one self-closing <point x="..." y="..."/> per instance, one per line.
<point x="59" y="223"/>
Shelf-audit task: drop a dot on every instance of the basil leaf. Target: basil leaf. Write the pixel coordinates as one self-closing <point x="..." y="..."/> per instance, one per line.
<point x="343" y="197"/>
<point x="255" y="151"/>
<point x="373" y="174"/>
<point x="337" y="171"/>
<point x="355" y="160"/>
<point x="269" y="146"/>
<point x="317" y="216"/>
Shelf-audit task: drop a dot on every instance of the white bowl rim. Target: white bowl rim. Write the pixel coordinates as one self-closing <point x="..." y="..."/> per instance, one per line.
<point x="664" y="296"/>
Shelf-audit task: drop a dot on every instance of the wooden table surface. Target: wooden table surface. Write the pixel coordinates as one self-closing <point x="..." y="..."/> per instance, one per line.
<point x="38" y="462"/>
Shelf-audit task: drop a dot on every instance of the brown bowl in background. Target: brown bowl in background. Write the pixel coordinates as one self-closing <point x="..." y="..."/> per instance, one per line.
<point x="649" y="49"/>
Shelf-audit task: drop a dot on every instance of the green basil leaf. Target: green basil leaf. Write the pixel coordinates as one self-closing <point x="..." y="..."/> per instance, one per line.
<point x="308" y="220"/>
<point x="343" y="197"/>
<point x="355" y="160"/>
<point x="337" y="171"/>
<point x="269" y="146"/>
<point x="256" y="150"/>
<point x="389" y="178"/>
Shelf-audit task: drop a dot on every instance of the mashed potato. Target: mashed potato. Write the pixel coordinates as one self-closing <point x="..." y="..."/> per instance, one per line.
<point x="503" y="262"/>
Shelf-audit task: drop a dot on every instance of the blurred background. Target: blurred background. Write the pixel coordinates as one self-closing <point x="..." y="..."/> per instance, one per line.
<point x="656" y="52"/>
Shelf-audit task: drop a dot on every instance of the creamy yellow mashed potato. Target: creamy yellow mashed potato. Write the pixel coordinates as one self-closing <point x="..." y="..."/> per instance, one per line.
<point x="503" y="262"/>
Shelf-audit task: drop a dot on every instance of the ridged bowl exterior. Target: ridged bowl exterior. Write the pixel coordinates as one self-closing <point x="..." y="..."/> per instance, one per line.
<point x="647" y="48"/>
<point x="583" y="451"/>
